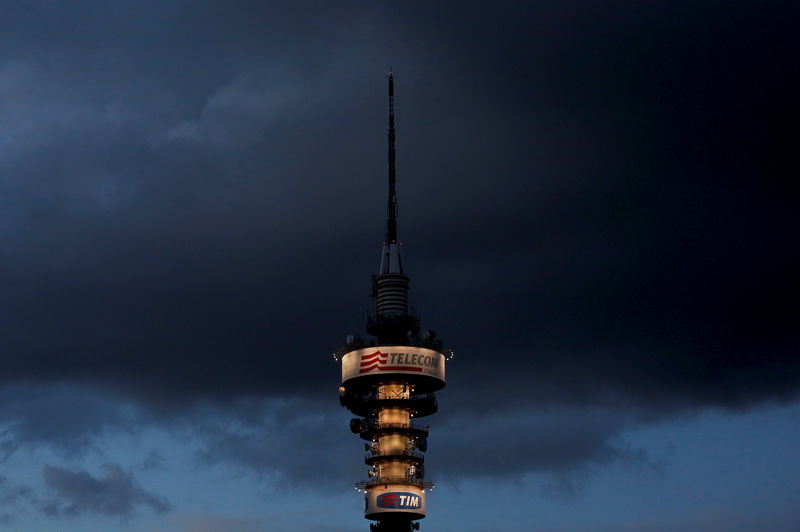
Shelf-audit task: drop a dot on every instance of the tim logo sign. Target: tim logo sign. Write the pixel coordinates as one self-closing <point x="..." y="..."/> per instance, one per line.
<point x="401" y="500"/>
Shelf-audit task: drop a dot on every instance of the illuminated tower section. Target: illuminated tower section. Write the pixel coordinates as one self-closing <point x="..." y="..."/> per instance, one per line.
<point x="389" y="382"/>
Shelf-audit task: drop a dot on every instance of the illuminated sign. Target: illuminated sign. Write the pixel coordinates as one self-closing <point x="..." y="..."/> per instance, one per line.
<point x="401" y="500"/>
<point x="393" y="500"/>
<point x="393" y="359"/>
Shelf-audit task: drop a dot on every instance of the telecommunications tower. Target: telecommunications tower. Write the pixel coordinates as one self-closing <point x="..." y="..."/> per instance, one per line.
<point x="389" y="383"/>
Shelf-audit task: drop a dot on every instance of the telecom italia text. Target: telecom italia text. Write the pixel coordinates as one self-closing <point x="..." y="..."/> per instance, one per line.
<point x="413" y="359"/>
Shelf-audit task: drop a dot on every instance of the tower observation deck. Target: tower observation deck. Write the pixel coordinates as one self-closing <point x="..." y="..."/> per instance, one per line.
<point x="389" y="382"/>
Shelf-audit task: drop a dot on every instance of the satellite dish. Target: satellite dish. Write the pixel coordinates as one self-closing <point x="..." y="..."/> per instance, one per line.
<point x="356" y="425"/>
<point x="420" y="471"/>
<point x="422" y="443"/>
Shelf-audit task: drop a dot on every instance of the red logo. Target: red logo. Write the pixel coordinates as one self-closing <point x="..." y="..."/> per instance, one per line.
<point x="379" y="361"/>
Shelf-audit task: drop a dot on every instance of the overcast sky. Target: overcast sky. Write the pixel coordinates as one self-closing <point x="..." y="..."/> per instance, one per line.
<point x="595" y="205"/>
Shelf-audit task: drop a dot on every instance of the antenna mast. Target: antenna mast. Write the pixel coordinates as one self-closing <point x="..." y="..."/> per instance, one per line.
<point x="391" y="221"/>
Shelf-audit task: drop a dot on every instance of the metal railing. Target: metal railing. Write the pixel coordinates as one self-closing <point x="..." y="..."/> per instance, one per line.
<point x="411" y="481"/>
<point x="410" y="426"/>
<point x="406" y="396"/>
<point x="397" y="452"/>
<point x="395" y="395"/>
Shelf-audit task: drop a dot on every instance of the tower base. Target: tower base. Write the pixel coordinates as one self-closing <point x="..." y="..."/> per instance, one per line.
<point x="393" y="526"/>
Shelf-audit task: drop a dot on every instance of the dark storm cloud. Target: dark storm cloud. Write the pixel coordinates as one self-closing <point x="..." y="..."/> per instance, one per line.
<point x="298" y="444"/>
<point x="629" y="242"/>
<point x="138" y="205"/>
<point x="115" y="494"/>
<point x="67" y="419"/>
<point x="554" y="441"/>
<point x="593" y="196"/>
<point x="261" y="436"/>
<point x="153" y="461"/>
<point x="12" y="498"/>
<point x="262" y="442"/>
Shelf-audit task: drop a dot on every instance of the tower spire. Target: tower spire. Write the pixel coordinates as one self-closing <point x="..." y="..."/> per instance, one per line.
<point x="391" y="219"/>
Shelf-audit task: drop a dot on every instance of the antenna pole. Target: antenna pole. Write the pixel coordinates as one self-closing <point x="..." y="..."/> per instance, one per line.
<point x="391" y="222"/>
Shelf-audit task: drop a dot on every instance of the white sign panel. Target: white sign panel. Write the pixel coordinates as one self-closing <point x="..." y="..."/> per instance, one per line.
<point x="393" y="359"/>
<point x="395" y="499"/>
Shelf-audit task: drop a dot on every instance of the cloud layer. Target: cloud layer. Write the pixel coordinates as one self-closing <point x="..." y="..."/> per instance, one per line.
<point x="594" y="198"/>
<point x="114" y="494"/>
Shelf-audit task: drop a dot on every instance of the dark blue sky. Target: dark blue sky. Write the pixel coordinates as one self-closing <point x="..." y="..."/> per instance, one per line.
<point x="595" y="205"/>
